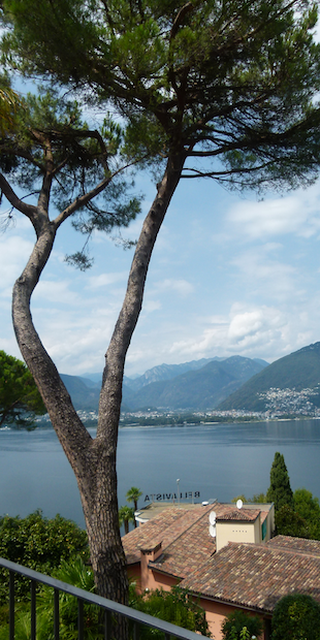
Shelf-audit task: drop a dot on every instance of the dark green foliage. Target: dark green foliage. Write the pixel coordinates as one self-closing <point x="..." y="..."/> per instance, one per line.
<point x="176" y="606"/>
<point x="40" y="544"/>
<point x="296" y="617"/>
<point x="126" y="515"/>
<point x="187" y="77"/>
<point x="308" y="508"/>
<point x="76" y="573"/>
<point x="303" y="519"/>
<point x="280" y="491"/>
<point x="10" y="103"/>
<point x="133" y="495"/>
<point x="289" y="523"/>
<point x="20" y="400"/>
<point x="81" y="159"/>
<point x="237" y="621"/>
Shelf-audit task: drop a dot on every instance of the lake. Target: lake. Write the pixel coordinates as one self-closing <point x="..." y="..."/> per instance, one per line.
<point x="218" y="461"/>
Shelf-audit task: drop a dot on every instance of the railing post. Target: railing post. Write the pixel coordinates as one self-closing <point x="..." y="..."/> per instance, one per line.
<point x="107" y="624"/>
<point x="114" y="614"/>
<point x="80" y="619"/>
<point x="56" y="620"/>
<point x="33" y="609"/>
<point x="11" y="605"/>
<point x="136" y="629"/>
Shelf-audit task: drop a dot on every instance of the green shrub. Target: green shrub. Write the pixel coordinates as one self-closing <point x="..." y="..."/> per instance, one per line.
<point x="238" y="625"/>
<point x="74" y="572"/>
<point x="296" y="617"/>
<point x="40" y="544"/>
<point x="176" y="606"/>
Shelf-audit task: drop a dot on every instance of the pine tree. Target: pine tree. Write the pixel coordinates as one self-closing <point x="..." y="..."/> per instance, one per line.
<point x="221" y="90"/>
<point x="279" y="492"/>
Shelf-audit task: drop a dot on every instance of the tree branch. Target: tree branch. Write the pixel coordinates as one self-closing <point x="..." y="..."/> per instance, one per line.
<point x="28" y="210"/>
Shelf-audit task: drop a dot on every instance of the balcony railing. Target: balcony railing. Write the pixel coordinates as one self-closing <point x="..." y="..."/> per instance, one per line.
<point x="109" y="607"/>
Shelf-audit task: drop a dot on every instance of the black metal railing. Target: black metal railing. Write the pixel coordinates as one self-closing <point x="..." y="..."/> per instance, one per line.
<point x="109" y="607"/>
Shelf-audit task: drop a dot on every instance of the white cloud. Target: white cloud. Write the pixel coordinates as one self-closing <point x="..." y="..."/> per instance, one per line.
<point x="56" y="292"/>
<point x="256" y="268"/>
<point x="181" y="286"/>
<point x="151" y="305"/>
<point x="294" y="214"/>
<point x="105" y="279"/>
<point x="14" y="253"/>
<point x="255" y="332"/>
<point x="262" y="325"/>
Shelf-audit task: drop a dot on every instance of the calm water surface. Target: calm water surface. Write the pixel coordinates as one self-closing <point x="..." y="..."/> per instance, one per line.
<point x="220" y="461"/>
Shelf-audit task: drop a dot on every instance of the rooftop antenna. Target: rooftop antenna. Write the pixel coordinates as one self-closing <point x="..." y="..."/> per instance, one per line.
<point x="239" y="504"/>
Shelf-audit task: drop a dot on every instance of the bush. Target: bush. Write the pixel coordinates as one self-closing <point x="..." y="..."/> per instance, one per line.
<point x="79" y="575"/>
<point x="176" y="606"/>
<point x="238" y="625"/>
<point x="296" y="617"/>
<point x="40" y="544"/>
<point x="289" y="523"/>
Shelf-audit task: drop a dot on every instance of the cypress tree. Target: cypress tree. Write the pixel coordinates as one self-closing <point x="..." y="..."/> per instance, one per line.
<point x="279" y="492"/>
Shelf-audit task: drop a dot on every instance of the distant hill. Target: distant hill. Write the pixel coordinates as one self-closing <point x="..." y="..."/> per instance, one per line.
<point x="199" y="384"/>
<point x="166" y="372"/>
<point x="84" y="393"/>
<point x="199" y="389"/>
<point x="299" y="370"/>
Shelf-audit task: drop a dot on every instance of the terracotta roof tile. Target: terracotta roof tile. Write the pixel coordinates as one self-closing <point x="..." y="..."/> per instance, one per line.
<point x="184" y="534"/>
<point x="256" y="576"/>
<point x="311" y="547"/>
<point x="240" y="514"/>
<point x="162" y="528"/>
<point x="189" y="550"/>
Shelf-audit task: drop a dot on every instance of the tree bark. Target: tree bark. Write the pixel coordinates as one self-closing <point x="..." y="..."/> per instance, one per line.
<point x="94" y="460"/>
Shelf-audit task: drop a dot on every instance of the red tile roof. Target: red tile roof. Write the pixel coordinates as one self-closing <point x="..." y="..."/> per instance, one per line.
<point x="297" y="545"/>
<point x="184" y="534"/>
<point x="240" y="515"/>
<point x="257" y="576"/>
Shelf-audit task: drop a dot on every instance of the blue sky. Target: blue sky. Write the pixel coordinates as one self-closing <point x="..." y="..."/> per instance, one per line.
<point x="229" y="275"/>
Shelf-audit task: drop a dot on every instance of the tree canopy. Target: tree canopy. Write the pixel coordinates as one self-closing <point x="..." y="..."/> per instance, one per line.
<point x="133" y="495"/>
<point x="236" y="624"/>
<point x="303" y="519"/>
<point x="126" y="515"/>
<point x="280" y="491"/>
<point x="296" y="616"/>
<point x="229" y="81"/>
<point x="20" y="400"/>
<point x="227" y="91"/>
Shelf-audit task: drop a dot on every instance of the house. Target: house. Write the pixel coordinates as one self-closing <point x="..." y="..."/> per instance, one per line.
<point x="242" y="566"/>
<point x="254" y="577"/>
<point x="176" y="545"/>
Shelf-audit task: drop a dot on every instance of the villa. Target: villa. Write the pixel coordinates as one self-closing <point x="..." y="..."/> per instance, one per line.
<point x="225" y="556"/>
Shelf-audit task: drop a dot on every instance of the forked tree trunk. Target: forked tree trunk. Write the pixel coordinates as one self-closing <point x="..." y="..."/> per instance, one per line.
<point x="93" y="460"/>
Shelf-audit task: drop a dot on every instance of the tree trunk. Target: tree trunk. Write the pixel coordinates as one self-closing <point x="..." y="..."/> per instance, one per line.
<point x="93" y="460"/>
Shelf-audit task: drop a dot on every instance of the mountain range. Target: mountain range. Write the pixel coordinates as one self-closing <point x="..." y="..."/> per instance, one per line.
<point x="215" y="383"/>
<point x="199" y="384"/>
